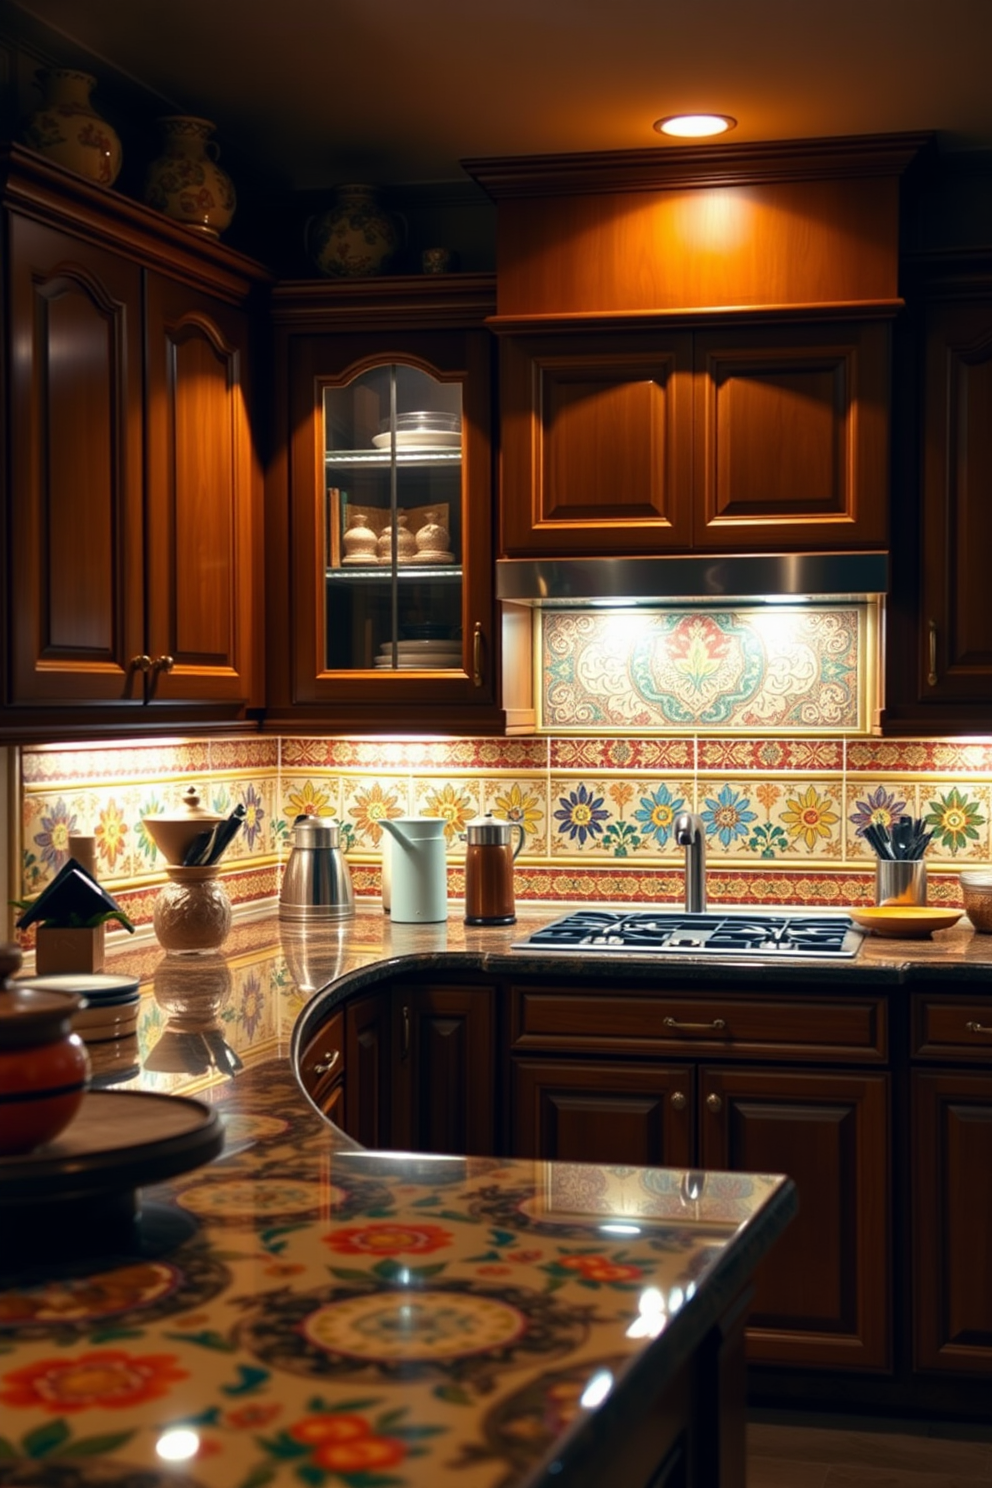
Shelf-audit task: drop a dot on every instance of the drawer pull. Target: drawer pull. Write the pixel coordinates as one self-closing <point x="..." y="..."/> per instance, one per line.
<point x="328" y="1061"/>
<point x="678" y="1100"/>
<point x="714" y="1103"/>
<point x="716" y="1026"/>
<point x="978" y="1027"/>
<point x="405" y="1040"/>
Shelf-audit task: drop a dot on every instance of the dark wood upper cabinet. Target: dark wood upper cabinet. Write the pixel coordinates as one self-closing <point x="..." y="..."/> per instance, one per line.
<point x="940" y="657"/>
<point x="135" y="489"/>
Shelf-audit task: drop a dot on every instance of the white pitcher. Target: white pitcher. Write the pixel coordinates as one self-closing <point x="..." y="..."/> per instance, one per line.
<point x="418" y="870"/>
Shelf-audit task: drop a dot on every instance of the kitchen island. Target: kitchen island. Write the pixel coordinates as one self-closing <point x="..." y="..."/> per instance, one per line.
<point x="338" y="1315"/>
<point x="304" y="1311"/>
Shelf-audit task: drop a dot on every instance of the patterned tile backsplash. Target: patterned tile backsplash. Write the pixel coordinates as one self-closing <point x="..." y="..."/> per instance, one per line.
<point x="784" y="817"/>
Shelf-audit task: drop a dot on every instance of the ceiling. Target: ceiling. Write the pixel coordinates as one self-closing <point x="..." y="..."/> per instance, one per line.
<point x="397" y="91"/>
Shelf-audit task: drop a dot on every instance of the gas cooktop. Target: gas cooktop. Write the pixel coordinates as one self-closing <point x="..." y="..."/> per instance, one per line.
<point x="714" y="934"/>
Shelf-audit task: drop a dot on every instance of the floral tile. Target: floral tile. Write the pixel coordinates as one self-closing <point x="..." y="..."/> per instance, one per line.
<point x="523" y="801"/>
<point x="796" y="669"/>
<point x="771" y="754"/>
<point x="622" y="754"/>
<point x="780" y="818"/>
<point x="365" y="802"/>
<point x="615" y="816"/>
<point x="874" y="803"/>
<point x="456" y="801"/>
<point x="932" y="756"/>
<point x="959" y="816"/>
<point x="308" y="795"/>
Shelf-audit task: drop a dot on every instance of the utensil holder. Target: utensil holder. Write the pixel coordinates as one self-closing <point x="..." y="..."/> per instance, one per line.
<point x="901" y="882"/>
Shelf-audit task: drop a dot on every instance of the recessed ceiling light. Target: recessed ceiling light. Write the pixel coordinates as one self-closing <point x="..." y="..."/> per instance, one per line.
<point x="695" y="126"/>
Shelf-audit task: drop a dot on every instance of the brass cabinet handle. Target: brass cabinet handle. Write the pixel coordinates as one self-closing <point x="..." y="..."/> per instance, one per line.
<point x="714" y="1103"/>
<point x="163" y="664"/>
<point x="715" y="1027"/>
<point x="477" y="654"/>
<point x="678" y="1100"/>
<point x="405" y="1044"/>
<point x="140" y="663"/>
<point x="978" y="1027"/>
<point x="329" y="1060"/>
<point x="932" y="643"/>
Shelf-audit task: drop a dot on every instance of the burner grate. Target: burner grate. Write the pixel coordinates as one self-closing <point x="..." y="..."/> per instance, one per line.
<point x="698" y="934"/>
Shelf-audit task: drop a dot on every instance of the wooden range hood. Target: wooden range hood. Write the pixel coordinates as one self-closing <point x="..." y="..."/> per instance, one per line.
<point x="686" y="310"/>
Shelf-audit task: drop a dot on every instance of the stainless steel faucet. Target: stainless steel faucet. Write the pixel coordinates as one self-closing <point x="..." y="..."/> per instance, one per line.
<point x="691" y="834"/>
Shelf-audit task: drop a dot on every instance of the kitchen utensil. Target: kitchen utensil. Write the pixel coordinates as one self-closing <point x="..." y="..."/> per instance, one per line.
<point x="905" y="921"/>
<point x="903" y="881"/>
<point x="976" y="891"/>
<point x="208" y="847"/>
<point x="489" y="858"/>
<point x="316" y="884"/>
<point x="418" y="869"/>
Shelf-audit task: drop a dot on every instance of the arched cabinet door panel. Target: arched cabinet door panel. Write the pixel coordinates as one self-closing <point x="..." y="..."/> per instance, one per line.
<point x="75" y="447"/>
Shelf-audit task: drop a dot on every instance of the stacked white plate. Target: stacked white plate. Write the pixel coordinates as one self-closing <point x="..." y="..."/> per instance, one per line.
<point x="422" y="430"/>
<point x="420" y="655"/>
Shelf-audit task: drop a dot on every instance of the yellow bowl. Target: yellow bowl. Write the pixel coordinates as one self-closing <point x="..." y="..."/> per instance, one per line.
<point x="905" y="921"/>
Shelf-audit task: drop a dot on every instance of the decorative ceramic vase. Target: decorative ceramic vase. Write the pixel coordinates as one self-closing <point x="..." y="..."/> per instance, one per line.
<point x="185" y="182"/>
<point x="69" y="130"/>
<point x="432" y="541"/>
<point x="360" y="542"/>
<point x="192" y="912"/>
<point x="355" y="237"/>
<point x="405" y="543"/>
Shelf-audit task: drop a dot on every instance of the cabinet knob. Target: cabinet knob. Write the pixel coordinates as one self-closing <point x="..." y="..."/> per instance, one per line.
<point x="328" y="1060"/>
<point x="678" y="1100"/>
<point x="163" y="664"/>
<point x="714" y="1103"/>
<point x="140" y="663"/>
<point x="978" y="1027"/>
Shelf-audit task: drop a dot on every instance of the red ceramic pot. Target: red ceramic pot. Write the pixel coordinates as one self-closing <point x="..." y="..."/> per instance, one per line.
<point x="44" y="1066"/>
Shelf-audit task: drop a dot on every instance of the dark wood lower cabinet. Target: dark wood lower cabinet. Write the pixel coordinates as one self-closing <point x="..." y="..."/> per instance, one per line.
<point x="605" y="1111"/>
<point x="443" y="1070"/>
<point x="823" y="1298"/>
<point x="952" y="1220"/>
<point x="368" y="1053"/>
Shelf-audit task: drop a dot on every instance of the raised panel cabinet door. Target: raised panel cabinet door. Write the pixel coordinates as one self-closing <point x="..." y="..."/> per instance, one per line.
<point x="367" y="1057"/>
<point x="952" y="1221"/>
<point x="75" y="450"/>
<point x="823" y="1297"/>
<point x="955" y="615"/>
<point x="791" y="429"/>
<point x="444" y="1086"/>
<point x="596" y="445"/>
<point x="602" y="1111"/>
<point x="203" y="498"/>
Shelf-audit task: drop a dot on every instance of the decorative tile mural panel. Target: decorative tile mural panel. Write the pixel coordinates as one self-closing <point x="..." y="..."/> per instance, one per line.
<point x="784" y="668"/>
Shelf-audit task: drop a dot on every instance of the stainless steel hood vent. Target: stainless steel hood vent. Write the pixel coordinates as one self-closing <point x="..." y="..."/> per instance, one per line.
<point x="701" y="577"/>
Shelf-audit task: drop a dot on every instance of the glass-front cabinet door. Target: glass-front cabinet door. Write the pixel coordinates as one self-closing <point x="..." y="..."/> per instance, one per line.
<point x="393" y="544"/>
<point x="388" y="549"/>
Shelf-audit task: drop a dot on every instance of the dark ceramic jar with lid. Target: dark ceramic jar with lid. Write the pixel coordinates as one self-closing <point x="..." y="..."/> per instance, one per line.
<point x="44" y="1066"/>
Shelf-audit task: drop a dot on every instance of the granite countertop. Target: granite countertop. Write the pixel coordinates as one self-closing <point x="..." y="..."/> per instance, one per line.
<point x="312" y="1313"/>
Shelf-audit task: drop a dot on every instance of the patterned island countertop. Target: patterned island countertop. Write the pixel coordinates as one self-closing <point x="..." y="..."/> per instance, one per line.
<point x="303" y="1312"/>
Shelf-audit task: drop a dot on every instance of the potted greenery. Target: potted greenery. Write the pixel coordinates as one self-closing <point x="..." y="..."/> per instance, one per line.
<point x="71" y="915"/>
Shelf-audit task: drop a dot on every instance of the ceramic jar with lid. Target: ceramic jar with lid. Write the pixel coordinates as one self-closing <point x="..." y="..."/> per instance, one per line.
<point x="44" y="1066"/>
<point x="489" y="855"/>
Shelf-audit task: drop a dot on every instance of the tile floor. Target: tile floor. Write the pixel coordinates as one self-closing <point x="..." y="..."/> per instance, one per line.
<point x="851" y="1453"/>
